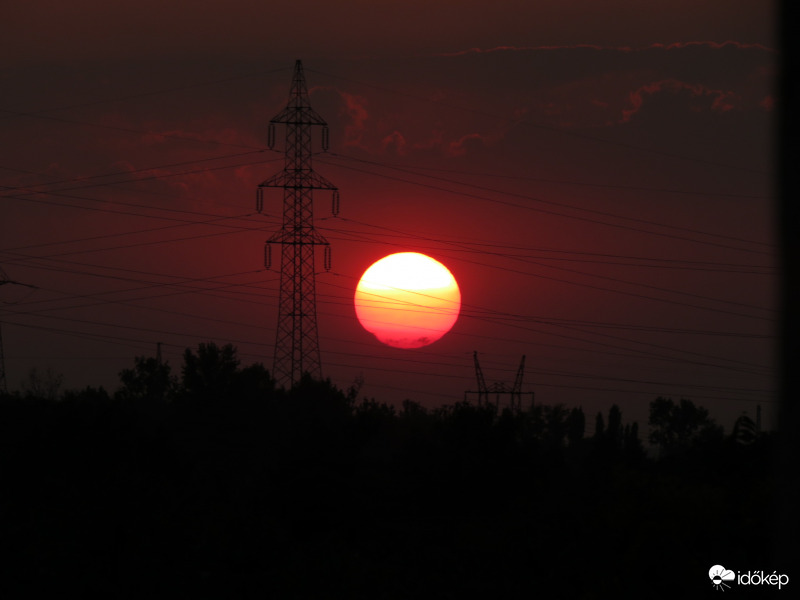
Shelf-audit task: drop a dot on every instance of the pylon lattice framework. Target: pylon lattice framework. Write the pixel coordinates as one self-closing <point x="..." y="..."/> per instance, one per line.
<point x="296" y="337"/>
<point x="3" y="383"/>
<point x="497" y="389"/>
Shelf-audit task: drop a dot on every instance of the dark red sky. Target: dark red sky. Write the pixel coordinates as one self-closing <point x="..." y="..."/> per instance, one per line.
<point x="598" y="177"/>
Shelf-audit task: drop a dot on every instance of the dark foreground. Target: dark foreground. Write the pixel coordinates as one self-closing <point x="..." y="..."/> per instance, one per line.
<point x="249" y="492"/>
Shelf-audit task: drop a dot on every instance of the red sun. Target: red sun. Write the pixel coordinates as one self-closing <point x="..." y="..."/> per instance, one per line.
<point x="407" y="300"/>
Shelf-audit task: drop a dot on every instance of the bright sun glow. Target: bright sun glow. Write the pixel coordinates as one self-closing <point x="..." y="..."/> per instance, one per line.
<point x="407" y="300"/>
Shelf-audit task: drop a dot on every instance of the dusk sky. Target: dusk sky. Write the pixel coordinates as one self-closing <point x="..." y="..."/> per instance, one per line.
<point x="598" y="177"/>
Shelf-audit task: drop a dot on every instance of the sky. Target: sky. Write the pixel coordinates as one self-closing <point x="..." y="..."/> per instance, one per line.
<point x="598" y="177"/>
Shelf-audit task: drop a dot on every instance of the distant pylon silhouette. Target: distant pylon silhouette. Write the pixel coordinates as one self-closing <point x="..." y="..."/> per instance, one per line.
<point x="3" y="281"/>
<point x="297" y="338"/>
<point x="515" y="393"/>
<point x="3" y="383"/>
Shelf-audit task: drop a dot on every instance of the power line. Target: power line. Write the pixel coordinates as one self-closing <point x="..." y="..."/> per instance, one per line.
<point x="539" y="200"/>
<point x="493" y="318"/>
<point x="439" y="363"/>
<point x="587" y="285"/>
<point x="478" y="247"/>
<point x="174" y="136"/>
<point x="121" y="203"/>
<point x="477" y="312"/>
<point x="94" y="238"/>
<point x="32" y="188"/>
<point x="153" y="242"/>
<point x="552" y="212"/>
<point x="726" y="390"/>
<point x="614" y="186"/>
<point x="495" y="315"/>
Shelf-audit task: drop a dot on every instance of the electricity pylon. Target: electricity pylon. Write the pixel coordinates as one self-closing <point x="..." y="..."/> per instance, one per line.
<point x="515" y="392"/>
<point x="3" y="381"/>
<point x="297" y="338"/>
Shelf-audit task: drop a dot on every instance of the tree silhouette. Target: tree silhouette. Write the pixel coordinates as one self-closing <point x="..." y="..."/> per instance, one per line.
<point x="576" y="425"/>
<point x="88" y="395"/>
<point x="149" y="380"/>
<point x="211" y="373"/>
<point x="556" y="425"/>
<point x="676" y="427"/>
<point x="631" y="444"/>
<point x="599" y="427"/>
<point x="46" y="385"/>
<point x="254" y="384"/>
<point x="613" y="433"/>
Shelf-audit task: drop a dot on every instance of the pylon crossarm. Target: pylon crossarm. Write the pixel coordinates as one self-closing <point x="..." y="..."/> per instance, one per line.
<point x="310" y="181"/>
<point x="304" y="115"/>
<point x="290" y="237"/>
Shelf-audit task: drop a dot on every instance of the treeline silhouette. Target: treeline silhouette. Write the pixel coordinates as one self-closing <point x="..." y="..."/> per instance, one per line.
<point x="214" y="483"/>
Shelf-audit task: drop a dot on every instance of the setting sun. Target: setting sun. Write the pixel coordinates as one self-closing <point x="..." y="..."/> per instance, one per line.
<point x="407" y="300"/>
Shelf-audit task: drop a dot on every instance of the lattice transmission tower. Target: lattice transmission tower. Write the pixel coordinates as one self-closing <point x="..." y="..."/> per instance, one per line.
<point x="497" y="389"/>
<point x="3" y="380"/>
<point x="297" y="338"/>
<point x="3" y="383"/>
